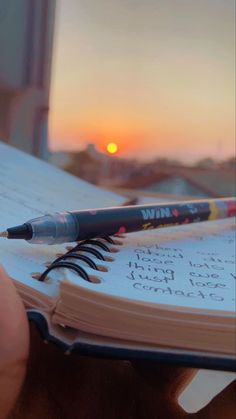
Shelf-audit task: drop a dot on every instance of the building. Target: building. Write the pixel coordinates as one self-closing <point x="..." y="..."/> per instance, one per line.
<point x="26" y="36"/>
<point x="190" y="181"/>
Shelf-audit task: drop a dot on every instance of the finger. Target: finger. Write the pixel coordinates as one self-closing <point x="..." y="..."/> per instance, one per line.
<point x="57" y="384"/>
<point x="172" y="380"/>
<point x="14" y="344"/>
<point x="222" y="406"/>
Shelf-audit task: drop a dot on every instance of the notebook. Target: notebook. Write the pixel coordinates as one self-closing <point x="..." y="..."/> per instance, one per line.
<point x="166" y="295"/>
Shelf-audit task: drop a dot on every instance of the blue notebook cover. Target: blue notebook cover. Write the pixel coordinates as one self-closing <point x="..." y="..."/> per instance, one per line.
<point x="92" y="345"/>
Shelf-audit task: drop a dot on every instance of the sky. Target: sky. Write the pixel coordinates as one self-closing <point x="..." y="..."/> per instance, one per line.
<point x="155" y="76"/>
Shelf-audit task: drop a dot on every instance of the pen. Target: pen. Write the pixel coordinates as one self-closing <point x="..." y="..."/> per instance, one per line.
<point x="86" y="224"/>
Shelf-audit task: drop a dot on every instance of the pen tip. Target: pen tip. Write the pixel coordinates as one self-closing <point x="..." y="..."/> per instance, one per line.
<point x="4" y="234"/>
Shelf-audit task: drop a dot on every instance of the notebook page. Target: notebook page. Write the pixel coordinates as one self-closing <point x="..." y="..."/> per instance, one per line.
<point x="29" y="188"/>
<point x="186" y="266"/>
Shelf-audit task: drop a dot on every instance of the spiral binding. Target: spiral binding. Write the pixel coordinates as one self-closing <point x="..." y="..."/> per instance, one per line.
<point x="74" y="253"/>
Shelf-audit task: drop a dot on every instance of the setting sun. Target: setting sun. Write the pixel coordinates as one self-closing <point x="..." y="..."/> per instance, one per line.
<point x="112" y="148"/>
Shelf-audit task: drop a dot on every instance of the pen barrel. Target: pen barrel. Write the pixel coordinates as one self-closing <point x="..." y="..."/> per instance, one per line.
<point x="110" y="221"/>
<point x="80" y="225"/>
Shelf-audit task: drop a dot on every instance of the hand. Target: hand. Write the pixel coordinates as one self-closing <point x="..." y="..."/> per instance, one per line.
<point x="14" y="344"/>
<point x="60" y="386"/>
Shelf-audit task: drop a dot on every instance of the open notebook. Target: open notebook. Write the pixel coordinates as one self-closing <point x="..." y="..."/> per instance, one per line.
<point x="164" y="294"/>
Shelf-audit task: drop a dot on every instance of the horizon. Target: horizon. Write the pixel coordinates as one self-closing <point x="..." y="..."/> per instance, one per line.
<point x="147" y="159"/>
<point x="157" y="78"/>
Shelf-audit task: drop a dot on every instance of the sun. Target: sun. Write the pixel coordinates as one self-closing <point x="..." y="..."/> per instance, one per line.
<point x="112" y="148"/>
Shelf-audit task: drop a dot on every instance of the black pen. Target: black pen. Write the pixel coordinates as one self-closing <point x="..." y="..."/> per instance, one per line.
<point x="85" y="224"/>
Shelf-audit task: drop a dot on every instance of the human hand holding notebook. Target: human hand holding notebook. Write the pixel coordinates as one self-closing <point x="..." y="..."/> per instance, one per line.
<point x="165" y="295"/>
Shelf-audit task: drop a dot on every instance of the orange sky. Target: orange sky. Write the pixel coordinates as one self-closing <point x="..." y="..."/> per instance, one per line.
<point x="156" y="77"/>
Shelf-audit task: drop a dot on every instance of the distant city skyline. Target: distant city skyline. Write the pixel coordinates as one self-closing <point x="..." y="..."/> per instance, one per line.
<point x="155" y="77"/>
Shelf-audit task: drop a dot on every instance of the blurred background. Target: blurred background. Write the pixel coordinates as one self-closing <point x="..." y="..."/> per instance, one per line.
<point x="137" y="96"/>
<point x="141" y="94"/>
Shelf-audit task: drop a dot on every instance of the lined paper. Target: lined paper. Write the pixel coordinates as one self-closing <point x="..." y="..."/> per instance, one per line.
<point x="29" y="188"/>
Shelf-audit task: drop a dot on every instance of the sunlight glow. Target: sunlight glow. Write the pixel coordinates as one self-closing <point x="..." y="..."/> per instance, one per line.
<point x="112" y="148"/>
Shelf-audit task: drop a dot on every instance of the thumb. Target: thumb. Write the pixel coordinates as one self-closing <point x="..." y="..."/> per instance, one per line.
<point x="14" y="344"/>
<point x="222" y="406"/>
